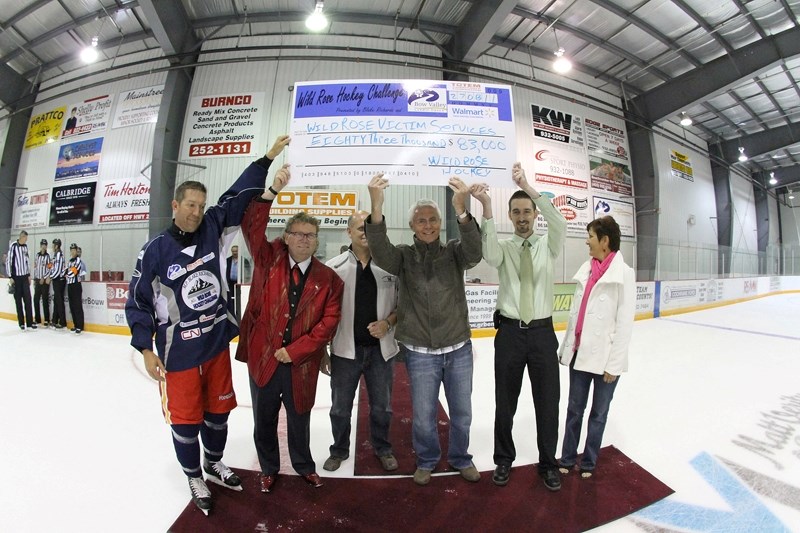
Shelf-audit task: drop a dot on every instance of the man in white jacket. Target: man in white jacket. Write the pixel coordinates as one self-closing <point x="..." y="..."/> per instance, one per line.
<point x="364" y="344"/>
<point x="595" y="346"/>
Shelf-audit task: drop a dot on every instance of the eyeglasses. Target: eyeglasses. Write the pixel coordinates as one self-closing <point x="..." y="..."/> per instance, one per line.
<point x="301" y="235"/>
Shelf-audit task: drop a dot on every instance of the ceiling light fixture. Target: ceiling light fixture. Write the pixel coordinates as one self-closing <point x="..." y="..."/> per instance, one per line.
<point x="686" y="120"/>
<point x="317" y="21"/>
<point x="742" y="157"/>
<point x="562" y="64"/>
<point x="791" y="195"/>
<point x="90" y="53"/>
<point x="772" y="180"/>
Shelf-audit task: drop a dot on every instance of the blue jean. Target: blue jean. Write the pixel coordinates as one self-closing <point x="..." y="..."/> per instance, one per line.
<point x="426" y="373"/>
<point x="379" y="376"/>
<point x="579" y="383"/>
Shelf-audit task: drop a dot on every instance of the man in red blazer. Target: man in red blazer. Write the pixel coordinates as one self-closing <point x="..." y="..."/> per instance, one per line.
<point x="292" y="314"/>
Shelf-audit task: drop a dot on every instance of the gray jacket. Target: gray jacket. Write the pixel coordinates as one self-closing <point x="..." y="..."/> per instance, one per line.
<point x="432" y="308"/>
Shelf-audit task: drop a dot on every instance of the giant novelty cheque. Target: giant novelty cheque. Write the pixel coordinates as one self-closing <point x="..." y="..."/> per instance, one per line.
<point x="415" y="131"/>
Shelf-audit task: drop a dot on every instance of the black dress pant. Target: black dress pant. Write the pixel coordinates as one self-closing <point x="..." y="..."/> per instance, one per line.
<point x="266" y="406"/>
<point x="41" y="293"/>
<point x="22" y="299"/>
<point x="536" y="349"/>
<point x="75" y="294"/>
<point x="59" y="312"/>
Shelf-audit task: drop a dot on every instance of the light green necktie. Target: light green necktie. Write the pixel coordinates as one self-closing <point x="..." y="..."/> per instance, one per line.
<point x="526" y="283"/>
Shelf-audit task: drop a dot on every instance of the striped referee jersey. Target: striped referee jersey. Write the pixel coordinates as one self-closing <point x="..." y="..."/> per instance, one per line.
<point x="18" y="260"/>
<point x="59" y="266"/>
<point x="43" y="266"/>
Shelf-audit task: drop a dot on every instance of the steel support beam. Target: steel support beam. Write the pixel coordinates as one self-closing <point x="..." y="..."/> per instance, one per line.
<point x="724" y="199"/>
<point x="760" y="143"/>
<point x="170" y="24"/>
<point x="479" y="26"/>
<point x="717" y="76"/>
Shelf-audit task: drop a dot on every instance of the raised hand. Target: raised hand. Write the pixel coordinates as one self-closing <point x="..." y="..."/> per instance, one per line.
<point x="376" y="187"/>
<point x="278" y="146"/>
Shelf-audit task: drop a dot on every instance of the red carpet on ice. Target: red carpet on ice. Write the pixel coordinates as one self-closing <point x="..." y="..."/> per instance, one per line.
<point x="618" y="488"/>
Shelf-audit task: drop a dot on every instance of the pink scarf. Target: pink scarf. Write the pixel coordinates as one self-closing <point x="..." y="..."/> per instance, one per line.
<point x="598" y="269"/>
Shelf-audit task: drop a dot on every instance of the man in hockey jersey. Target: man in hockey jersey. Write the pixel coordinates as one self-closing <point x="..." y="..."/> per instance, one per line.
<point x="178" y="293"/>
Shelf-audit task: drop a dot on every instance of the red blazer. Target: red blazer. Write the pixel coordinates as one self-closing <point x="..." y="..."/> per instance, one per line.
<point x="267" y="313"/>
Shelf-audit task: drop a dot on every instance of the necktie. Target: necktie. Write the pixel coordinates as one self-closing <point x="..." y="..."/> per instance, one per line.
<point x="296" y="275"/>
<point x="526" y="283"/>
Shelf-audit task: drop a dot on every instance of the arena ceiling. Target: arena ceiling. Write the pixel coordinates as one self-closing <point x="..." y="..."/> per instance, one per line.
<point x="733" y="66"/>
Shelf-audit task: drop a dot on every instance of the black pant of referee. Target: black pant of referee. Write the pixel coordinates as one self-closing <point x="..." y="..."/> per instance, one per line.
<point x="22" y="299"/>
<point x="75" y="295"/>
<point x="533" y="346"/>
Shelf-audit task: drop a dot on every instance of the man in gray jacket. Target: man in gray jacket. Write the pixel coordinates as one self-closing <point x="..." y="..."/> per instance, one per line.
<point x="433" y="320"/>
<point x="363" y="345"/>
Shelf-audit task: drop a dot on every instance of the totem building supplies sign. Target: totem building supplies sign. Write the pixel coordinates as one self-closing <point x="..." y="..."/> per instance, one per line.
<point x="45" y="128"/>
<point x="224" y="126"/>
<point x="417" y="132"/>
<point x="73" y="204"/>
<point x="331" y="208"/>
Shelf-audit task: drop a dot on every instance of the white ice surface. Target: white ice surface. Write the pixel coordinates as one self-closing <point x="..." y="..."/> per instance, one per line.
<point x="85" y="447"/>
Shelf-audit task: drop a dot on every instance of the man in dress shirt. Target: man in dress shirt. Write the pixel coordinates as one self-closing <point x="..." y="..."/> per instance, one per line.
<point x="525" y="336"/>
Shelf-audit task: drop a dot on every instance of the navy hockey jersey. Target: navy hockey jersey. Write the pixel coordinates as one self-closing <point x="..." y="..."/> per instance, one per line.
<point x="179" y="292"/>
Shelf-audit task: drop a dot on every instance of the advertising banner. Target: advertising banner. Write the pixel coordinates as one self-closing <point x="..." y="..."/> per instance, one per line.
<point x="45" y="128"/>
<point x="31" y="209"/>
<point x="557" y="126"/>
<point x="576" y="206"/>
<point x="124" y="200"/>
<point x="605" y="140"/>
<point x="681" y="165"/>
<point x="332" y="208"/>
<point x="417" y="132"/>
<point x="89" y="116"/>
<point x="73" y="204"/>
<point x="116" y="297"/>
<point x="225" y="126"/>
<point x="79" y="159"/>
<point x="560" y="161"/>
<point x="621" y="211"/>
<point x="607" y="175"/>
<point x="139" y="106"/>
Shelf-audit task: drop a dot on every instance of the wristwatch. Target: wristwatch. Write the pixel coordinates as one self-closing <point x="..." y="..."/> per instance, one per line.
<point x="388" y="324"/>
<point x="464" y="215"/>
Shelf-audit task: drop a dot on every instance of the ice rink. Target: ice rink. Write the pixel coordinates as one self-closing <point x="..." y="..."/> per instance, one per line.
<point x="711" y="406"/>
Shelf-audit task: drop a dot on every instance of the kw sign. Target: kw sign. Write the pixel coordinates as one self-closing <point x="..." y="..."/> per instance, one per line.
<point x="332" y="208"/>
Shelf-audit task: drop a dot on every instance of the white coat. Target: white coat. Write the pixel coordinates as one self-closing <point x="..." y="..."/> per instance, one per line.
<point x="608" y="323"/>
<point x="343" y="344"/>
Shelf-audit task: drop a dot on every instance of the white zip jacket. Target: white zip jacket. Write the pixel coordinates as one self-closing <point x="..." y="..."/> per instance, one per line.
<point x="608" y="323"/>
<point x="345" y="265"/>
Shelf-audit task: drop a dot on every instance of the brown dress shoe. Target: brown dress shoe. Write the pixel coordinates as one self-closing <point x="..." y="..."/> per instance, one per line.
<point x="313" y="479"/>
<point x="267" y="482"/>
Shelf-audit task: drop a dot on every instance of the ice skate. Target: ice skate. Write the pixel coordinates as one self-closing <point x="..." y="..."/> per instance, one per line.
<point x="222" y="475"/>
<point x="201" y="496"/>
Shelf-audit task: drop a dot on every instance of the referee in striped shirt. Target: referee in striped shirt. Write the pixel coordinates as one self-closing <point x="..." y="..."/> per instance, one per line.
<point x="18" y="267"/>
<point x="41" y="284"/>
<point x="58" y="277"/>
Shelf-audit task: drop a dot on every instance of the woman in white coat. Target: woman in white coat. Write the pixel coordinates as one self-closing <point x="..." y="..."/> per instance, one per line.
<point x="595" y="346"/>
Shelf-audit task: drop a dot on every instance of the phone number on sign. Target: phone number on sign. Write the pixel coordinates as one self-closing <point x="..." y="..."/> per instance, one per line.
<point x="196" y="150"/>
